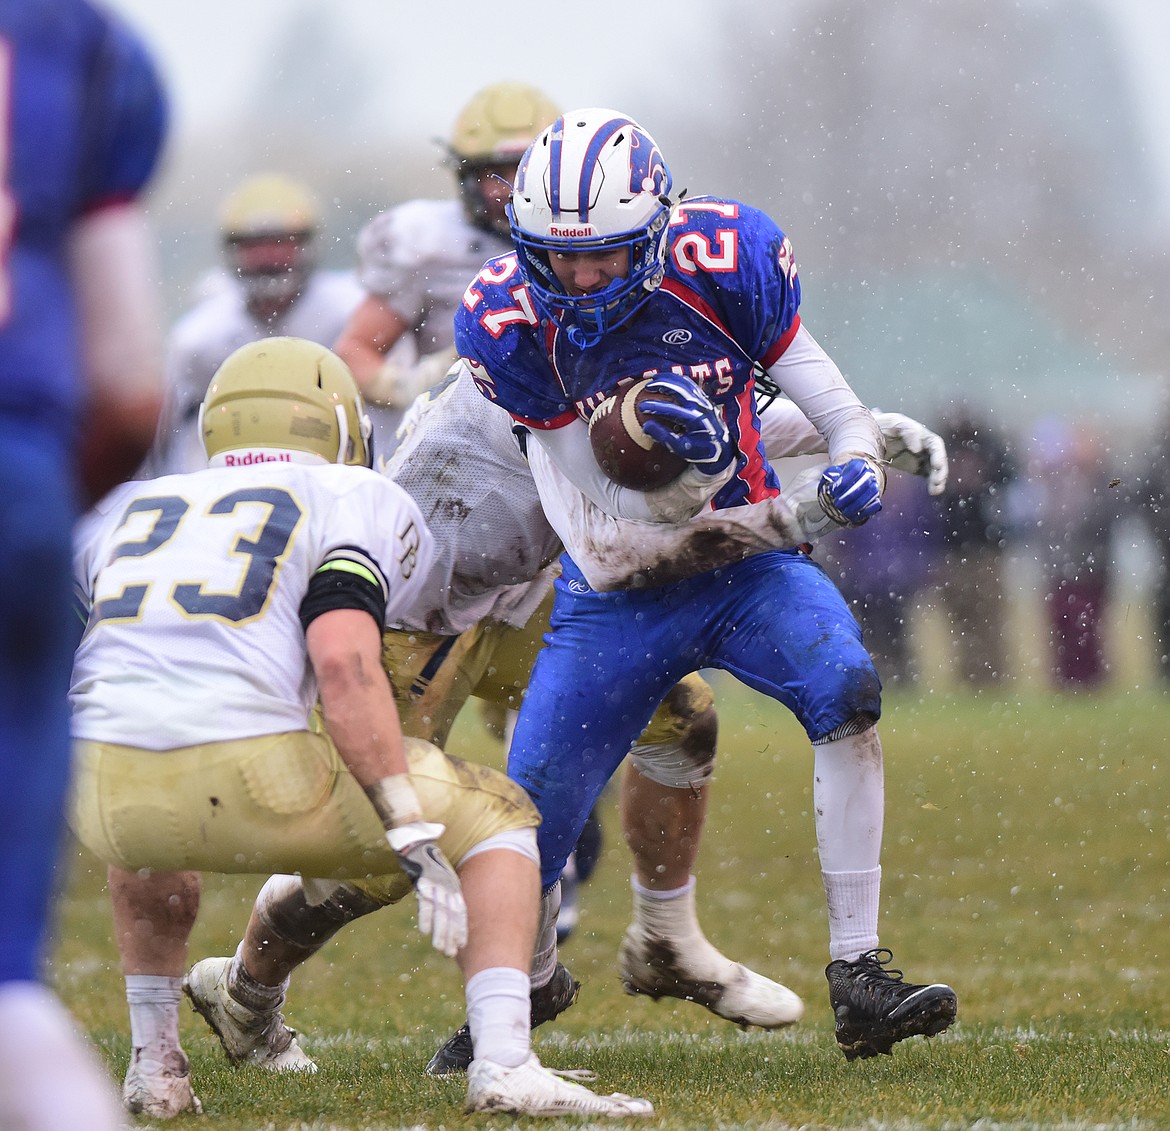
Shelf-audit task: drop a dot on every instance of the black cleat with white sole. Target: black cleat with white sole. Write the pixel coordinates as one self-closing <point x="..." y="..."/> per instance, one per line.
<point x="552" y="999"/>
<point x="874" y="1008"/>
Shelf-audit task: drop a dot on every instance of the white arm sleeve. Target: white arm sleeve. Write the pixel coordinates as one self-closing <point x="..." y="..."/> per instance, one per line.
<point x="616" y="553"/>
<point x="788" y="432"/>
<point x="570" y="450"/>
<point x="816" y="386"/>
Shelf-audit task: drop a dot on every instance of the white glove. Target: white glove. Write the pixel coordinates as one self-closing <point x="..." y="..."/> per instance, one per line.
<point x="914" y="448"/>
<point x="442" y="914"/>
<point x="396" y="384"/>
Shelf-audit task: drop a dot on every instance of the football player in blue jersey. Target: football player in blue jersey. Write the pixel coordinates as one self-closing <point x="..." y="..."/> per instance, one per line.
<point x="84" y="117"/>
<point x="614" y="279"/>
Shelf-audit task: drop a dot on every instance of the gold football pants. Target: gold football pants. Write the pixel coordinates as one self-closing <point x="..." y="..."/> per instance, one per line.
<point x="281" y="803"/>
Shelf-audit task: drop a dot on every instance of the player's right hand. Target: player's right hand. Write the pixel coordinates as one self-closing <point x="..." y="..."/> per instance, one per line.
<point x="687" y="424"/>
<point x="442" y="913"/>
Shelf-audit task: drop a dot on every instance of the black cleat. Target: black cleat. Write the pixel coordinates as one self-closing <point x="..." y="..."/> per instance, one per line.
<point x="875" y="1009"/>
<point x="551" y="1000"/>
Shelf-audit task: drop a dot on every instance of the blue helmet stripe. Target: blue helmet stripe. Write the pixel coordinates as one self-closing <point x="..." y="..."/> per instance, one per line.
<point x="556" y="145"/>
<point x="592" y="153"/>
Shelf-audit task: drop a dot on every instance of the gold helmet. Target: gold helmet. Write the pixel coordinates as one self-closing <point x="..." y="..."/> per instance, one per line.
<point x="278" y="399"/>
<point x="268" y="224"/>
<point x="268" y="205"/>
<point x="491" y="134"/>
<point x="499" y="123"/>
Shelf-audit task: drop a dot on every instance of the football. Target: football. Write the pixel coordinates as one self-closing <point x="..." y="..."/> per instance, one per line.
<point x="622" y="448"/>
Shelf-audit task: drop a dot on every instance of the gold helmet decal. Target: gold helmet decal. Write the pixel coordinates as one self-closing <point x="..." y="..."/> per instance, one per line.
<point x="284" y="399"/>
<point x="499" y="123"/>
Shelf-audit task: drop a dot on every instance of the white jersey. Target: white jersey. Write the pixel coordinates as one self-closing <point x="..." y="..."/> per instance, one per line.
<point x="194" y="583"/>
<point x="460" y="462"/>
<point x="204" y="337"/>
<point x="419" y="258"/>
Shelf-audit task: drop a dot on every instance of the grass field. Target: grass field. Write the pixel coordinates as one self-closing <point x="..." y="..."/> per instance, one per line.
<point x="1026" y="862"/>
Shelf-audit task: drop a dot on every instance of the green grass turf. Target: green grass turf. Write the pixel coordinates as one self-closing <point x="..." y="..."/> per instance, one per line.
<point x="1026" y="862"/>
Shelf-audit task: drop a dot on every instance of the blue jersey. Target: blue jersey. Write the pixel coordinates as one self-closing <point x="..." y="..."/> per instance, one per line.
<point x="82" y="119"/>
<point x="85" y="118"/>
<point x="729" y="300"/>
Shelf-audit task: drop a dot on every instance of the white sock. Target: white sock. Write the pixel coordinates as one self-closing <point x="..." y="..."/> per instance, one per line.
<point x="672" y="915"/>
<point x="852" y="898"/>
<point x="673" y="893"/>
<point x="51" y="1079"/>
<point x="499" y="1015"/>
<point x="248" y="992"/>
<point x="154" y="1011"/>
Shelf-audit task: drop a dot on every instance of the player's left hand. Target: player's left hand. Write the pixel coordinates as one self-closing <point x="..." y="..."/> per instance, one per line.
<point x="850" y="493"/>
<point x="689" y="424"/>
<point x="914" y="448"/>
<point x="442" y="913"/>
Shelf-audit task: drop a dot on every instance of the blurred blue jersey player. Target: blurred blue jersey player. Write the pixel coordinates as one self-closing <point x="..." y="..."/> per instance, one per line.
<point x="83" y="116"/>
<point x="612" y="280"/>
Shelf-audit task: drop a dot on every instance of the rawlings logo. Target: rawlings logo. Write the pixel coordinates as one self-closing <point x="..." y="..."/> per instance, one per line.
<point x="678" y="337"/>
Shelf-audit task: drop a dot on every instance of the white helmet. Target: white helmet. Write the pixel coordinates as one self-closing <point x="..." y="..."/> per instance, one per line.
<point x="594" y="180"/>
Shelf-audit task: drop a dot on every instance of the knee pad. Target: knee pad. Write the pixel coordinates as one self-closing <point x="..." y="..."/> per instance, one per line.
<point x="677" y="749"/>
<point x="671" y="765"/>
<point x="285" y="909"/>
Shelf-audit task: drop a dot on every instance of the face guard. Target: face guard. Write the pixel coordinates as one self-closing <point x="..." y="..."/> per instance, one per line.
<point x="268" y="224"/>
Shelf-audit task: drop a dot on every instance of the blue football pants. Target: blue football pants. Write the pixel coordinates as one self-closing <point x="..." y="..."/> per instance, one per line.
<point x="36" y="654"/>
<point x="775" y="621"/>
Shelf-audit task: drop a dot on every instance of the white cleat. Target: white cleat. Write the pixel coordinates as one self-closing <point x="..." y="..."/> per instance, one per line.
<point x="693" y="970"/>
<point x="159" y="1088"/>
<point x="247" y="1037"/>
<point x="532" y="1089"/>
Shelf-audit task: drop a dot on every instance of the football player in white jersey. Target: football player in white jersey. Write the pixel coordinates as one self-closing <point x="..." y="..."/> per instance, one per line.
<point x="417" y="258"/>
<point x="270" y="286"/>
<point x="220" y="607"/>
<point x="476" y="629"/>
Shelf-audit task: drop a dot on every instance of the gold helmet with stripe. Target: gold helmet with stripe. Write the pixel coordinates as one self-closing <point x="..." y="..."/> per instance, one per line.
<point x="489" y="137"/>
<point x="284" y="400"/>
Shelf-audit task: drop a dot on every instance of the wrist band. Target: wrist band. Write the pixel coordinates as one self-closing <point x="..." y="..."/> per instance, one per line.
<point x="395" y="801"/>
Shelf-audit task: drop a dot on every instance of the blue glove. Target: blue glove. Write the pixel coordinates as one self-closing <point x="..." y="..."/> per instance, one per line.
<point x="851" y="492"/>
<point x="688" y="425"/>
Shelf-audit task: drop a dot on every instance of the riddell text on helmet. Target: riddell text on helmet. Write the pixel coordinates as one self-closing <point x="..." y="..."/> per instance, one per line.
<point x="245" y="459"/>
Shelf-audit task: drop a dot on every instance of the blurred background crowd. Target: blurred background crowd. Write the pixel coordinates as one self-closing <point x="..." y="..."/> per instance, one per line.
<point x="1044" y="562"/>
